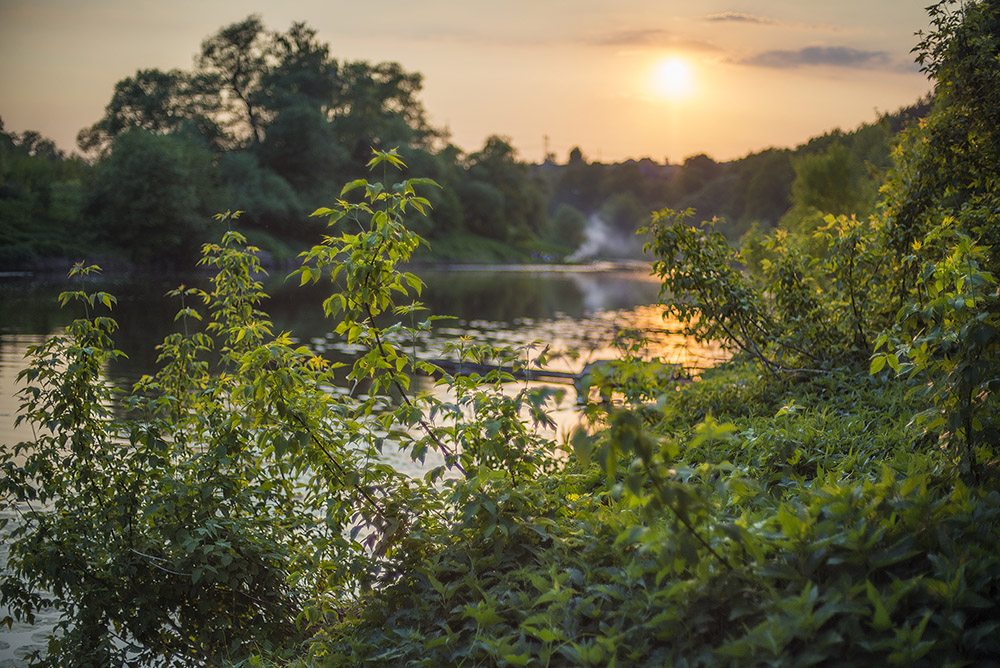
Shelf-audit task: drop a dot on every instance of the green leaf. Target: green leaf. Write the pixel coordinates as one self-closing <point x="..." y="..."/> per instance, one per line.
<point x="353" y="185"/>
<point x="893" y="361"/>
<point x="878" y="362"/>
<point x="880" y="616"/>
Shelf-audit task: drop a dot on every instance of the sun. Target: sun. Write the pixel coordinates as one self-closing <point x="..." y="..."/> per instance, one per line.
<point x="673" y="78"/>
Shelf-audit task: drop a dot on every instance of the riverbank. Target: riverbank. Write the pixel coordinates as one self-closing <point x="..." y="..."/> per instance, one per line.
<point x="461" y="252"/>
<point x="797" y="521"/>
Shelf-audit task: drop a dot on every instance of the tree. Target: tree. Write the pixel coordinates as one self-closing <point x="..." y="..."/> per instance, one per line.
<point x="623" y="213"/>
<point x="522" y="211"/>
<point x="446" y="215"/>
<point x="698" y="171"/>
<point x="379" y="109"/>
<point x="151" y="196"/>
<point x="267" y="200"/>
<point x="483" y="205"/>
<point x="948" y="166"/>
<point x="39" y="199"/>
<point x="304" y="75"/>
<point x="147" y="101"/>
<point x="941" y="226"/>
<point x="300" y="146"/>
<point x="829" y="182"/>
<point x="245" y="76"/>
<point x="234" y="62"/>
<point x="766" y="179"/>
<point x="569" y="226"/>
<point x="579" y="183"/>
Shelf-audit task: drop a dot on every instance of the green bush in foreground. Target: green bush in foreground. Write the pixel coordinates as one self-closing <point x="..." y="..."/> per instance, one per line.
<point x="789" y="509"/>
<point x="231" y="503"/>
<point x="818" y="534"/>
<point x="236" y="511"/>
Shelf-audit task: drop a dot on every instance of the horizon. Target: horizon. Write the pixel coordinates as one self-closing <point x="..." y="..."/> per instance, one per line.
<point x="638" y="80"/>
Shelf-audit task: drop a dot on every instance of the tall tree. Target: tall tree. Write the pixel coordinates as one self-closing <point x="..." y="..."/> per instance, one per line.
<point x="301" y="147"/>
<point x="234" y="62"/>
<point x="152" y="100"/>
<point x="303" y="73"/>
<point x="379" y="108"/>
<point x="522" y="203"/>
<point x="949" y="165"/>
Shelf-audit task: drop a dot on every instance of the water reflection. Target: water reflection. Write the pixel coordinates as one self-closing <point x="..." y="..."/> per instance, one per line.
<point x="568" y="310"/>
<point x="505" y="296"/>
<point x="564" y="310"/>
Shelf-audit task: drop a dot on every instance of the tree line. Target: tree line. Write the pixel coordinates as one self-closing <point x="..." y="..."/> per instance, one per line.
<point x="268" y="122"/>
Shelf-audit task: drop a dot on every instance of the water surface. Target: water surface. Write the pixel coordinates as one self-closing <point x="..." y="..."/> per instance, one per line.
<point x="560" y="309"/>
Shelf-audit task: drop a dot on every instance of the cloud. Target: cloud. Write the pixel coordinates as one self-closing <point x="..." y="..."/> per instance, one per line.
<point x="834" y="56"/>
<point x="741" y="17"/>
<point x="650" y="37"/>
<point x="634" y="37"/>
<point x="754" y="19"/>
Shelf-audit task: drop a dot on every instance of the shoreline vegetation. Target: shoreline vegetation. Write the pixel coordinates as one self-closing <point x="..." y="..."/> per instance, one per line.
<point x="830" y="495"/>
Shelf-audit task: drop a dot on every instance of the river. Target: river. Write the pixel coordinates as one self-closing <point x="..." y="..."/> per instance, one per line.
<point x="564" y="308"/>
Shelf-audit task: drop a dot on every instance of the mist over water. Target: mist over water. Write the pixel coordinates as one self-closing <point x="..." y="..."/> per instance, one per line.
<point x="604" y="241"/>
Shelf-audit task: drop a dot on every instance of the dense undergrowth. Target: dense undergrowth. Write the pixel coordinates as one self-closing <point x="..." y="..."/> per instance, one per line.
<point x="810" y="528"/>
<point x="829" y="496"/>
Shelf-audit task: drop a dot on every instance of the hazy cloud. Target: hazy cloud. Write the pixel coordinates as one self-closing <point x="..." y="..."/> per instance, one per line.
<point x="650" y="37"/>
<point x="754" y="19"/>
<point x="835" y="56"/>
<point x="741" y="17"/>
<point x="634" y="37"/>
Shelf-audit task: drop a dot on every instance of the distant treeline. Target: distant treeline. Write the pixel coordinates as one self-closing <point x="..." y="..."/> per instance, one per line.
<point x="838" y="173"/>
<point x="270" y="124"/>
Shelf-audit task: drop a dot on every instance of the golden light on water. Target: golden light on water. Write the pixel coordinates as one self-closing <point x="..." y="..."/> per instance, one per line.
<point x="673" y="78"/>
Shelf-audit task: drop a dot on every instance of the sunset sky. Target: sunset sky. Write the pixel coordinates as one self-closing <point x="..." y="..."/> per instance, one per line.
<point x="742" y="76"/>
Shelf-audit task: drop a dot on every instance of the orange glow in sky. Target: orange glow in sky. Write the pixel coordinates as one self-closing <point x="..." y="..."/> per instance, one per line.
<point x="545" y="74"/>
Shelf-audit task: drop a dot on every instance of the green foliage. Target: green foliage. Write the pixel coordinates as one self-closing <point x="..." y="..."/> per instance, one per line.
<point x="212" y="517"/>
<point x="153" y="101"/>
<point x="828" y="183"/>
<point x="697" y="267"/>
<point x="159" y="535"/>
<point x="151" y="194"/>
<point x="40" y="200"/>
<point x="482" y="204"/>
<point x="502" y="199"/>
<point x="942" y="201"/>
<point x="446" y="219"/>
<point x="379" y="108"/>
<point x="947" y="167"/>
<point x="568" y="226"/>
<point x="234" y="507"/>
<point x="269" y="201"/>
<point x="698" y="171"/>
<point x="670" y="551"/>
<point x="284" y="120"/>
<point x="768" y="177"/>
<point x="623" y="213"/>
<point x="300" y="147"/>
<point x="950" y="340"/>
<point x="836" y="173"/>
<point x="796" y="310"/>
<point x="238" y="510"/>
